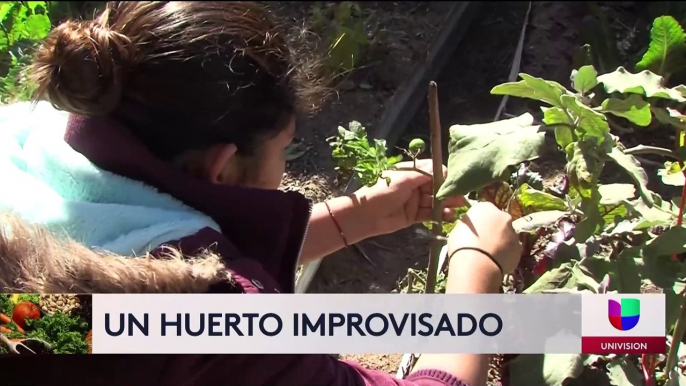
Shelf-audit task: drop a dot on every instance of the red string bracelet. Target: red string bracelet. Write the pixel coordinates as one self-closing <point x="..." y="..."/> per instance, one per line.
<point x="345" y="241"/>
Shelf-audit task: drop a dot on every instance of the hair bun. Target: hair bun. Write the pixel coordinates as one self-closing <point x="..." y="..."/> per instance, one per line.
<point x="80" y="67"/>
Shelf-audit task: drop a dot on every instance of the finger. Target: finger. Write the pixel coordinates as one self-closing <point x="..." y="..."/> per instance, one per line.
<point x="454" y="202"/>
<point x="450" y="202"/>
<point x="426" y="201"/>
<point x="426" y="214"/>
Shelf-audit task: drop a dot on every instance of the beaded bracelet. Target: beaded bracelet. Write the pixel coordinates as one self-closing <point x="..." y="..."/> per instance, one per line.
<point x="345" y="241"/>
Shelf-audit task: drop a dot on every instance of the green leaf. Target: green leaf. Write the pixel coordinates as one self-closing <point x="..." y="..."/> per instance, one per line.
<point x="592" y="123"/>
<point x="612" y="214"/>
<point x="563" y="136"/>
<point x="482" y="154"/>
<point x="568" y="276"/>
<point x="582" y="168"/>
<point x="668" y="116"/>
<point x="537" y="201"/>
<point x="583" y="279"/>
<point x="661" y="213"/>
<point x="671" y="241"/>
<point x="37" y="27"/>
<point x="672" y="174"/>
<point x="661" y="271"/>
<point x="633" y="108"/>
<point x="667" y="47"/>
<point x="592" y="223"/>
<point x="644" y="83"/>
<point x="553" y="279"/>
<point x="625" y="275"/>
<point x="633" y="167"/>
<point x="535" y="221"/>
<point x="624" y="373"/>
<point x="533" y="88"/>
<point x="555" y="116"/>
<point x="584" y="79"/>
<point x="545" y="369"/>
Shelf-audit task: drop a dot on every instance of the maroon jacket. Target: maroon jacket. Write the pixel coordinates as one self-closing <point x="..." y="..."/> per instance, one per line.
<point x="262" y="235"/>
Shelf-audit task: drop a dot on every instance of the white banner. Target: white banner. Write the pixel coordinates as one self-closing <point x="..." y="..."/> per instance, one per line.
<point x="344" y="324"/>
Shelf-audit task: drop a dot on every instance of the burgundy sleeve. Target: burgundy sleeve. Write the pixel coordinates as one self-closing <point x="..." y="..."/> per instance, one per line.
<point x="291" y="370"/>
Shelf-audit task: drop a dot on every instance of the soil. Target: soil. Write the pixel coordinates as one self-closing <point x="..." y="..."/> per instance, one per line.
<point x="483" y="59"/>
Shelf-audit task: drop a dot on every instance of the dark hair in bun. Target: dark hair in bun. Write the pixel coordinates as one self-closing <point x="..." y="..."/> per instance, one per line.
<point x="180" y="75"/>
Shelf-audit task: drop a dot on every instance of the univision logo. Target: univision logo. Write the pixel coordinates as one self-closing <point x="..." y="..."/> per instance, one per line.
<point x="624" y="316"/>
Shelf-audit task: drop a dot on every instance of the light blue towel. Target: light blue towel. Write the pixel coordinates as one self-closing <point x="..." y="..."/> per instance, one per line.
<point x="46" y="182"/>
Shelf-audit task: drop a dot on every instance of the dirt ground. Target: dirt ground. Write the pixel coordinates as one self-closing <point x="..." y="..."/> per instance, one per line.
<point x="482" y="60"/>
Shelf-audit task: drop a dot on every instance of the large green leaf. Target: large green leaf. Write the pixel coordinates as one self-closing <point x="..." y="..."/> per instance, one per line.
<point x="590" y="122"/>
<point x="624" y="373"/>
<point x="18" y="31"/>
<point x="537" y="201"/>
<point x="568" y="276"/>
<point x="661" y="213"/>
<point x="633" y="108"/>
<point x="37" y="27"/>
<point x="667" y="47"/>
<point x="557" y="117"/>
<point x="545" y="369"/>
<point x="671" y="241"/>
<point x="644" y="83"/>
<point x="633" y="167"/>
<point x="484" y="153"/>
<point x="584" y="79"/>
<point x="533" y="88"/>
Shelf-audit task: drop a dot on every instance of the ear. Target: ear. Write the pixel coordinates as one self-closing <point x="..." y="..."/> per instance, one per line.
<point x="220" y="155"/>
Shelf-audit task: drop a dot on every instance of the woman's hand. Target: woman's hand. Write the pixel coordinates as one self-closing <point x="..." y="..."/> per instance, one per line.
<point x="373" y="211"/>
<point x="485" y="227"/>
<point x="407" y="201"/>
<point x="490" y="229"/>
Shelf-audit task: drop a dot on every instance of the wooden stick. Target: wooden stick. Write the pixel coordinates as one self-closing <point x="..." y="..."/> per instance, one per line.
<point x="437" y="157"/>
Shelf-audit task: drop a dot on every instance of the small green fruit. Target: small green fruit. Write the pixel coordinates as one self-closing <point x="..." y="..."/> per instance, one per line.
<point x="417" y="146"/>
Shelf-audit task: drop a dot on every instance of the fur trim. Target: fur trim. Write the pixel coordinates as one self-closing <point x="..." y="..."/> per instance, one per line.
<point x="32" y="260"/>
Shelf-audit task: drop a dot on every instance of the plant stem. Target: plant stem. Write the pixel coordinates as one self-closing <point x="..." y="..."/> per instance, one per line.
<point x="642" y="149"/>
<point x="414" y="169"/>
<point x="437" y="157"/>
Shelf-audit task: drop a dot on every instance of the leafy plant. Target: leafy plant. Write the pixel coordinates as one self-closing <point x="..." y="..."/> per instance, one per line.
<point x="355" y="155"/>
<point x="23" y="24"/>
<point x="667" y="49"/>
<point x="344" y="32"/>
<point x="582" y="235"/>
